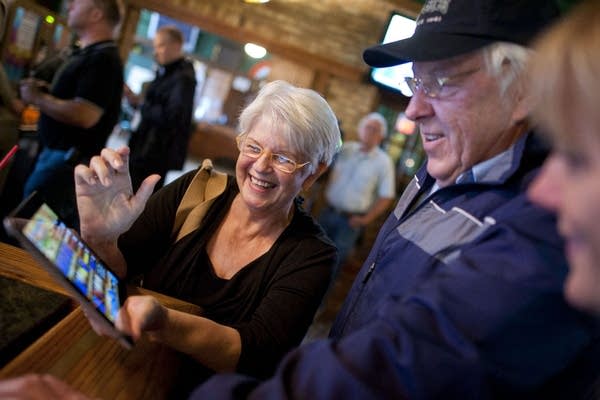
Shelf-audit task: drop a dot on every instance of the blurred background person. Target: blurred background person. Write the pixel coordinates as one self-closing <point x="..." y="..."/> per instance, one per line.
<point x="360" y="187"/>
<point x="566" y="88"/>
<point x="160" y="142"/>
<point x="82" y="106"/>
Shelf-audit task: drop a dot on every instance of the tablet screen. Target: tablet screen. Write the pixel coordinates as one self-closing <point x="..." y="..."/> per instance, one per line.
<point x="74" y="260"/>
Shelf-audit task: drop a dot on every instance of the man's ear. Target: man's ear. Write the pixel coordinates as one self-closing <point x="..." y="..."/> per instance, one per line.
<point x="308" y="182"/>
<point x="523" y="101"/>
<point x="96" y="14"/>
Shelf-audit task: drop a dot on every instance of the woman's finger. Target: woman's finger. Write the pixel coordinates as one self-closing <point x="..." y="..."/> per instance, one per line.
<point x="84" y="175"/>
<point x="115" y="159"/>
<point x="102" y="170"/>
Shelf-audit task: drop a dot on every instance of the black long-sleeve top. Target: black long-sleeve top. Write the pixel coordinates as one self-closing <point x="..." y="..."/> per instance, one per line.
<point x="271" y="301"/>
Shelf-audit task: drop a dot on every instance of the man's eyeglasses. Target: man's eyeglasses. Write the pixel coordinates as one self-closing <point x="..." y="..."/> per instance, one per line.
<point x="250" y="148"/>
<point x="432" y="86"/>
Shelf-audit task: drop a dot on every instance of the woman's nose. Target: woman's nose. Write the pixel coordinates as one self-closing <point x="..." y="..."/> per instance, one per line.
<point x="547" y="189"/>
<point x="263" y="162"/>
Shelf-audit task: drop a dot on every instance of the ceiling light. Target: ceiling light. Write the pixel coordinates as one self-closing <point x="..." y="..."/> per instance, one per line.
<point x="254" y="50"/>
<point x="256" y="1"/>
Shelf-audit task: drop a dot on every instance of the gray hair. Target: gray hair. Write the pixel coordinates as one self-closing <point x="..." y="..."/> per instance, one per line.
<point x="500" y="54"/>
<point x="302" y="117"/>
<point x="374" y="116"/>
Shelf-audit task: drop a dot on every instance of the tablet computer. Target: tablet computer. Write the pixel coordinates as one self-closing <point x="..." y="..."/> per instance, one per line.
<point x="73" y="264"/>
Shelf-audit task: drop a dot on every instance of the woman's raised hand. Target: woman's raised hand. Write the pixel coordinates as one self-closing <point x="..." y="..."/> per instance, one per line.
<point x="105" y="200"/>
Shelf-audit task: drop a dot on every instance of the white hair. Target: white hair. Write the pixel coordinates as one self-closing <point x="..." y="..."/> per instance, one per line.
<point x="302" y="117"/>
<point x="374" y="116"/>
<point x="500" y="54"/>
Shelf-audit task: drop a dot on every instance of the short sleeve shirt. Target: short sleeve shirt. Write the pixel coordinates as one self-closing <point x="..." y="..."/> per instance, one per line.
<point x="95" y="75"/>
<point x="358" y="179"/>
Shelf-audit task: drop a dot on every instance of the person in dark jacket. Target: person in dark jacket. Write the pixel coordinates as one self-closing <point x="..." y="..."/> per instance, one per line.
<point x="159" y="144"/>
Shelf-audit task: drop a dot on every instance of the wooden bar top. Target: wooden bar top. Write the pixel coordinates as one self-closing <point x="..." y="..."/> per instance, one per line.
<point x="17" y="264"/>
<point x="97" y="366"/>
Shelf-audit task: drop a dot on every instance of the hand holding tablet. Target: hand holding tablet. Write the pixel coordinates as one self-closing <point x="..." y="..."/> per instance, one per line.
<point x="71" y="263"/>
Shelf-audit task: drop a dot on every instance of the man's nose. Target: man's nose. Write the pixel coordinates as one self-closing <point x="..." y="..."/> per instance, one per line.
<point x="418" y="106"/>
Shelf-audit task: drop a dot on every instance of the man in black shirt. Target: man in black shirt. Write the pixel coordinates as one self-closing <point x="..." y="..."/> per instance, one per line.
<point x="160" y="142"/>
<point x="82" y="106"/>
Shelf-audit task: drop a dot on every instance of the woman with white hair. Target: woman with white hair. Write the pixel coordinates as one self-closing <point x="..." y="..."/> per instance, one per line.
<point x="256" y="263"/>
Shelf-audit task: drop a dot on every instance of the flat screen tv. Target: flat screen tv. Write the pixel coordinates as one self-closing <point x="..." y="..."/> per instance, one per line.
<point x="399" y="27"/>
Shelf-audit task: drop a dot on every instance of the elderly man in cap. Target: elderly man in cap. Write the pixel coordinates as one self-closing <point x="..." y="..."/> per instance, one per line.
<point x="461" y="295"/>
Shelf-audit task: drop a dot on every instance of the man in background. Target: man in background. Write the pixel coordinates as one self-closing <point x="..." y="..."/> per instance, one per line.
<point x="160" y="142"/>
<point x="82" y="106"/>
<point x="360" y="188"/>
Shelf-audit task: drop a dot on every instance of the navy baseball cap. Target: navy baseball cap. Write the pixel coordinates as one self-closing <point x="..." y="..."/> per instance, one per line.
<point x="448" y="28"/>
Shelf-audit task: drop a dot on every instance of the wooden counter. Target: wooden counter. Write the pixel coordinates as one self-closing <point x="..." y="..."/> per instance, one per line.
<point x="97" y="366"/>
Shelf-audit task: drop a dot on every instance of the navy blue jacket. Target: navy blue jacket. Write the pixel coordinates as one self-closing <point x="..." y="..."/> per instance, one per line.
<point x="460" y="297"/>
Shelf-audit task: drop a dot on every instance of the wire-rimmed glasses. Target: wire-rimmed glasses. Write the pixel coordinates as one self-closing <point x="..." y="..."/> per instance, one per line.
<point x="250" y="148"/>
<point x="432" y="86"/>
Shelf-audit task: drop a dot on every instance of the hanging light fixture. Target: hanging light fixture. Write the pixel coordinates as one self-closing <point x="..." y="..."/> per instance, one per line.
<point x="255" y="51"/>
<point x="256" y="1"/>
